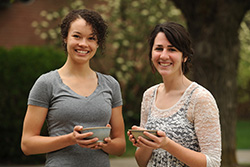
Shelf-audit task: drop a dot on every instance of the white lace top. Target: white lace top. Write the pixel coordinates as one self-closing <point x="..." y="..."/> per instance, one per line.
<point x="192" y="122"/>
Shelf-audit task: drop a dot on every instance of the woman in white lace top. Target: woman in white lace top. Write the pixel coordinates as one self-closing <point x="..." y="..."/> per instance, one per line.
<point x="183" y="112"/>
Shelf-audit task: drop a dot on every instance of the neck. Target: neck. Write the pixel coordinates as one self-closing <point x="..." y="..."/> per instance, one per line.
<point x="176" y="84"/>
<point x="77" y="70"/>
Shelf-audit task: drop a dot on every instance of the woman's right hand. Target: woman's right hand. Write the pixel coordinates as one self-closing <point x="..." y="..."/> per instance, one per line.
<point x="131" y="137"/>
<point x="80" y="138"/>
<point x="143" y="153"/>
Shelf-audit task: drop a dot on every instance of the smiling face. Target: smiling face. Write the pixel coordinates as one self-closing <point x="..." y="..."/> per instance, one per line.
<point x="165" y="57"/>
<point x="176" y="35"/>
<point x="81" y="42"/>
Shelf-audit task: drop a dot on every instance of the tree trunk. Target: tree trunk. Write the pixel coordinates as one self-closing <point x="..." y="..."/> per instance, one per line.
<point x="214" y="25"/>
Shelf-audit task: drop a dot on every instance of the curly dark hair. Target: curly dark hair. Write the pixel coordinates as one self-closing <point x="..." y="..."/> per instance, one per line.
<point x="179" y="37"/>
<point x="92" y="18"/>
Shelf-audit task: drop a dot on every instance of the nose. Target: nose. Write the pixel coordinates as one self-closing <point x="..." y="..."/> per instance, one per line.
<point x="83" y="42"/>
<point x="164" y="54"/>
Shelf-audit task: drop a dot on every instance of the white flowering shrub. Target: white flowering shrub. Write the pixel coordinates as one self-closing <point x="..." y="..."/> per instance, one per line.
<point x="126" y="54"/>
<point x="48" y="29"/>
<point x="130" y="23"/>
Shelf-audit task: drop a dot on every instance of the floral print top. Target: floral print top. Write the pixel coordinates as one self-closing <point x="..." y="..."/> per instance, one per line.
<point x="193" y="122"/>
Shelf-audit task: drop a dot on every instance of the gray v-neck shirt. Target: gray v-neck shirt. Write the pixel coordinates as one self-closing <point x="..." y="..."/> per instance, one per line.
<point x="67" y="109"/>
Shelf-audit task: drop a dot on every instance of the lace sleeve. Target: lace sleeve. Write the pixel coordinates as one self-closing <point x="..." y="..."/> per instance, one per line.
<point x="146" y="105"/>
<point x="207" y="127"/>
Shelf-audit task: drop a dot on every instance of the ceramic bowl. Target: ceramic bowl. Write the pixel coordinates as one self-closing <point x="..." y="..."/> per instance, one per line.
<point x="136" y="133"/>
<point x="100" y="132"/>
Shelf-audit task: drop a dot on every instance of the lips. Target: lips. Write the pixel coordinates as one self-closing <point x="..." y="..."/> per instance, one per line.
<point x="82" y="51"/>
<point x="165" y="64"/>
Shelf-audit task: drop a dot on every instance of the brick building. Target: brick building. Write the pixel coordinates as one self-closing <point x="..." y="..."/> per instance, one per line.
<point x="15" y="20"/>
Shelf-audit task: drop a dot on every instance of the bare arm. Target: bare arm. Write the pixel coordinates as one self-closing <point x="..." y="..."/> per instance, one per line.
<point x="116" y="144"/>
<point x="142" y="154"/>
<point x="33" y="143"/>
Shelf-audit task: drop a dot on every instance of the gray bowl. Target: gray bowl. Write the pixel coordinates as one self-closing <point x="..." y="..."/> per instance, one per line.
<point x="136" y="133"/>
<point x="100" y="132"/>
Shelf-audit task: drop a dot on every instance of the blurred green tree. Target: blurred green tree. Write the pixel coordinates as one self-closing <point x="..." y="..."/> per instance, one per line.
<point x="20" y="67"/>
<point x="130" y="23"/>
<point x="244" y="62"/>
<point x="214" y="26"/>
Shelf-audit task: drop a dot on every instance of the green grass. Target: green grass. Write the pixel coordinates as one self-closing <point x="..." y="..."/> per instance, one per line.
<point x="243" y="134"/>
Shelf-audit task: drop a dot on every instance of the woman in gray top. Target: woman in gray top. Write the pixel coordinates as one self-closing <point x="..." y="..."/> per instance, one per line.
<point x="73" y="97"/>
<point x="184" y="113"/>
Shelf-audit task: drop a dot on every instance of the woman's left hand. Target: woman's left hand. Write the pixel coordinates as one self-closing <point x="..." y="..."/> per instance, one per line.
<point x="159" y="141"/>
<point x="106" y="142"/>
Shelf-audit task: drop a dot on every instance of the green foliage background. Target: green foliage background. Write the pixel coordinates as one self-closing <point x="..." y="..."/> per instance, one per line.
<point x="125" y="58"/>
<point x="19" y="69"/>
<point x="244" y="63"/>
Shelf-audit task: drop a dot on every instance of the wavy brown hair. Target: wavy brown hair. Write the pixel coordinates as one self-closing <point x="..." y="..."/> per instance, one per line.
<point x="92" y="18"/>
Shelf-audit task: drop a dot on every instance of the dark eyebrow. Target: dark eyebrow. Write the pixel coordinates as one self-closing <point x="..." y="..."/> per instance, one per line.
<point x="93" y="34"/>
<point x="159" y="45"/>
<point x="170" y="46"/>
<point x="77" y="32"/>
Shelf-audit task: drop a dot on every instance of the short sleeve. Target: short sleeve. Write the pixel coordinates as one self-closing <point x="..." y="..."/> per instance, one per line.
<point x="40" y="93"/>
<point x="116" y="93"/>
<point x="207" y="127"/>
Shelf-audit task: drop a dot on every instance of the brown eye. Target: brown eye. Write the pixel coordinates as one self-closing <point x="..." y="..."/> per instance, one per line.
<point x="76" y="36"/>
<point x="159" y="49"/>
<point x="93" y="38"/>
<point x="172" y="49"/>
